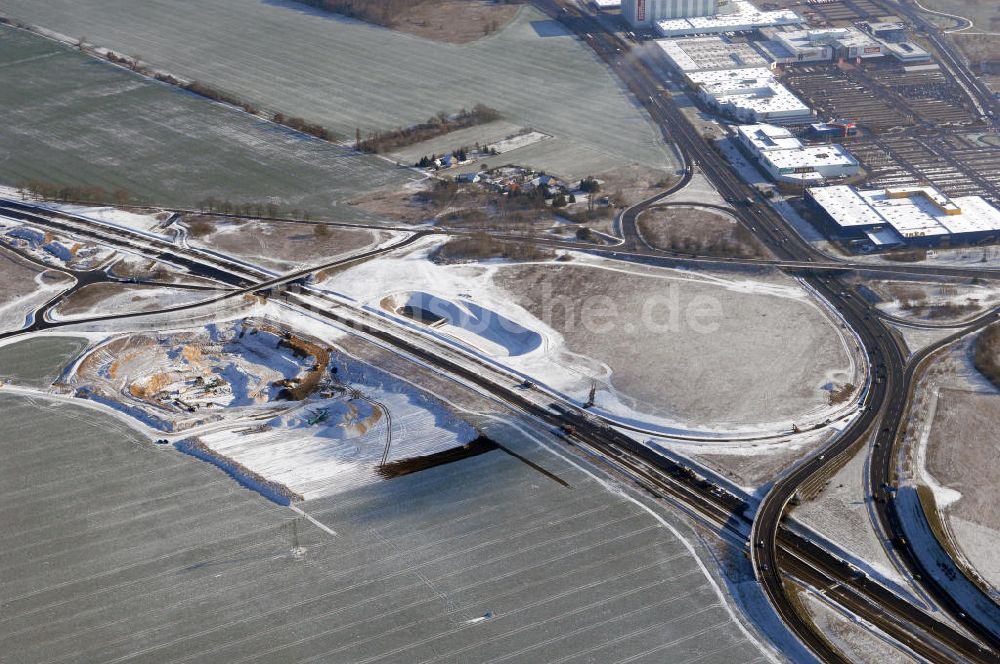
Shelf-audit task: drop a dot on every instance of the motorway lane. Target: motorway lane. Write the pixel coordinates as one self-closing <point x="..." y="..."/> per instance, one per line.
<point x="786" y="244"/>
<point x="648" y="255"/>
<point x="239" y="284"/>
<point x="631" y="238"/>
<point x="709" y="498"/>
<point x="668" y="478"/>
<point x="954" y="61"/>
<point x="883" y="457"/>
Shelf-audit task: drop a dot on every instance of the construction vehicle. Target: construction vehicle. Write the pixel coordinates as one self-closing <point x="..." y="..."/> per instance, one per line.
<point x="318" y="416"/>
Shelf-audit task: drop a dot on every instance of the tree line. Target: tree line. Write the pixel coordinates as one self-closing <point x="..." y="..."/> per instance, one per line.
<point x="86" y="193"/>
<point x="379" y="12"/>
<point x="215" y="94"/>
<point x="986" y="355"/>
<point x="438" y="125"/>
<point x="383" y="12"/>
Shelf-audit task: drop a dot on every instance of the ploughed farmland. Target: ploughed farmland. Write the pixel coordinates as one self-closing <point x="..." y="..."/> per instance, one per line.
<point x="73" y="120"/>
<point x="344" y="74"/>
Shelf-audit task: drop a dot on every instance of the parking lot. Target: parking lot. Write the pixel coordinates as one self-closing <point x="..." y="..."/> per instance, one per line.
<point x="834" y="94"/>
<point x="836" y="12"/>
<point x="957" y="164"/>
<point x="914" y="127"/>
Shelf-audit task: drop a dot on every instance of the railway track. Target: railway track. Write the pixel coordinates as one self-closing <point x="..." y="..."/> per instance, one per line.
<point x="882" y="350"/>
<point x="661" y="476"/>
<point x="791" y="252"/>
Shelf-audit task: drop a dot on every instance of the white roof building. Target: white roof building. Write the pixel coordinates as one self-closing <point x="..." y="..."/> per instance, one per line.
<point x="708" y="53"/>
<point x="825" y="44"/>
<point x="907" y="52"/>
<point x="916" y="214"/>
<point x="752" y="94"/>
<point x="787" y="159"/>
<point x="645" y="13"/>
<point x="736" y="16"/>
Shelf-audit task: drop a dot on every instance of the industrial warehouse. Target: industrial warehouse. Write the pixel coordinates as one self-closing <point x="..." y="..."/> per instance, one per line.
<point x="750" y="95"/>
<point x="710" y="53"/>
<point x="916" y="216"/>
<point x="675" y="18"/>
<point x="786" y="159"/>
<point x="820" y="45"/>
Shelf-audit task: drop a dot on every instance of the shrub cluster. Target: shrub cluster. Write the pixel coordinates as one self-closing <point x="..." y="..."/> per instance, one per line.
<point x="440" y="124"/>
<point x="986" y="355"/>
<point x="481" y="246"/>
<point x="50" y="191"/>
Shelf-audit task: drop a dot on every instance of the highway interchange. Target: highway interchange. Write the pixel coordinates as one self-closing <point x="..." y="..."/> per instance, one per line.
<point x="680" y="483"/>
<point x="885" y="397"/>
<point x="775" y="550"/>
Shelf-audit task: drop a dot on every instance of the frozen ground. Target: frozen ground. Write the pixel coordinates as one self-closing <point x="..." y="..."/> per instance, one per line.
<point x="687" y="351"/>
<point x="752" y="465"/>
<point x="151" y="222"/>
<point x="934" y="302"/>
<point x="38" y="361"/>
<point x="402" y="571"/>
<point x="107" y="298"/>
<point x="851" y="636"/>
<point x="963" y="454"/>
<point x="348" y="75"/>
<point x="329" y="446"/>
<point x="953" y="451"/>
<point x="917" y="338"/>
<point x="24" y="287"/>
<point x="699" y="190"/>
<point x="841" y="514"/>
<point x="72" y="119"/>
<point x="280" y="246"/>
<point x="294" y="412"/>
<point x="701" y="231"/>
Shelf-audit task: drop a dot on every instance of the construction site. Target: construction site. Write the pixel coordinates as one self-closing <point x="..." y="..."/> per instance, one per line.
<point x="283" y="413"/>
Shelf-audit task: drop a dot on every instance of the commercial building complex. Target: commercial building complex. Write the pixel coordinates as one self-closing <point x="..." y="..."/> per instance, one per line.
<point x="820" y="45"/>
<point x="907" y="52"/>
<point x="645" y="13"/>
<point x="710" y="53"/>
<point x="887" y="32"/>
<point x="786" y="159"/>
<point x="734" y="16"/>
<point x="920" y="216"/>
<point x="750" y="95"/>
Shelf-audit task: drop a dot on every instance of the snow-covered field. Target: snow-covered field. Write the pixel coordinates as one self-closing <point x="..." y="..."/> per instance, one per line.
<point x="962" y="447"/>
<point x="25" y="287"/>
<point x="952" y="443"/>
<point x="681" y="351"/>
<point x="151" y="222"/>
<point x="199" y="569"/>
<point x="38" y="361"/>
<point x="282" y="247"/>
<point x="347" y="75"/>
<point x="934" y="302"/>
<point x="106" y="298"/>
<point x="332" y="445"/>
<point x="71" y="119"/>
